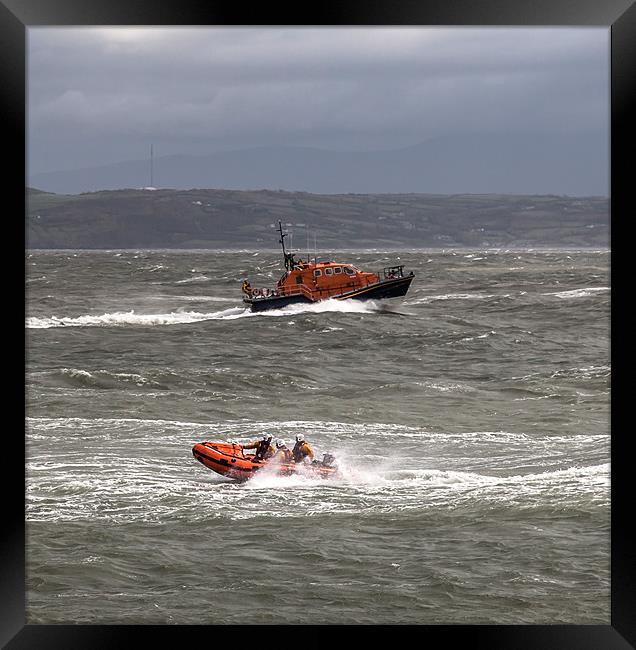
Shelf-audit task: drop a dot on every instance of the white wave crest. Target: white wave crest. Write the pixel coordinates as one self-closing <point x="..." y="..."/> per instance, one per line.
<point x="452" y="296"/>
<point x="182" y="317"/>
<point x="119" y="319"/>
<point x="578" y="293"/>
<point x="329" y="305"/>
<point x="196" y="278"/>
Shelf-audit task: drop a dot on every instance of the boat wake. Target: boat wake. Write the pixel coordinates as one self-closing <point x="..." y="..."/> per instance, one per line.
<point x="131" y="318"/>
<point x="328" y="305"/>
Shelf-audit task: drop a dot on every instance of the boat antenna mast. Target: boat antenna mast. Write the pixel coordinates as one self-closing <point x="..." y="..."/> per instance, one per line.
<point x="288" y="257"/>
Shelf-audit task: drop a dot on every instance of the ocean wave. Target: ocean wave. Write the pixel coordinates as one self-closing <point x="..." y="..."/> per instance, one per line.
<point x="197" y="298"/>
<point x="585" y="372"/>
<point x="328" y="305"/>
<point x="332" y="435"/>
<point x="153" y="268"/>
<point x="196" y="278"/>
<point x="105" y="379"/>
<point x="130" y="318"/>
<point x="52" y="424"/>
<point x="578" y="293"/>
<point x="485" y="335"/>
<point x="65" y="489"/>
<point x="445" y="387"/>
<point x="453" y="296"/>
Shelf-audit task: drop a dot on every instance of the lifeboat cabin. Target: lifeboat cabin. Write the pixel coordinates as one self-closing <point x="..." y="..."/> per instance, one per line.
<point x="307" y="281"/>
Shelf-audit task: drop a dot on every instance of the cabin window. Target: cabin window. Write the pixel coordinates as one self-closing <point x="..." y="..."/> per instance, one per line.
<point x="338" y="269"/>
<point x="328" y="271"/>
<point x="349" y="271"/>
<point x="317" y="273"/>
<point x="299" y="279"/>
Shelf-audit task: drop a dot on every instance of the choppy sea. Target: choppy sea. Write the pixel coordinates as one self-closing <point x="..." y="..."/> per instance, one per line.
<point x="470" y="419"/>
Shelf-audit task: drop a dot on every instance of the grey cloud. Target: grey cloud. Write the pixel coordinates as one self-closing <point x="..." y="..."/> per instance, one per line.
<point x="97" y="92"/>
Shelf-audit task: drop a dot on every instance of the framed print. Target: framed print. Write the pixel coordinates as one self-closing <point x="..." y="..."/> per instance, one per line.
<point x="414" y="428"/>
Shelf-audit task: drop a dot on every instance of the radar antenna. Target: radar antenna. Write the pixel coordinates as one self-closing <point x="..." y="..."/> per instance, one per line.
<point x="288" y="257"/>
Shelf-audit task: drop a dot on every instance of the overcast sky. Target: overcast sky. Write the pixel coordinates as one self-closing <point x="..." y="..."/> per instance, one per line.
<point x="102" y="95"/>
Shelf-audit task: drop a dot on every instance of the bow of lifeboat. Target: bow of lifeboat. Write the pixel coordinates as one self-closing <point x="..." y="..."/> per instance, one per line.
<point x="226" y="459"/>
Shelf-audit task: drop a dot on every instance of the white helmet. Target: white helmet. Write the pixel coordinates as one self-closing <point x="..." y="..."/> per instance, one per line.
<point x="280" y="443"/>
<point x="300" y="437"/>
<point x="267" y="436"/>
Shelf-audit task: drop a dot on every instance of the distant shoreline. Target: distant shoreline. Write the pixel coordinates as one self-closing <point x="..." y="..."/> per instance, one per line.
<point x="247" y="220"/>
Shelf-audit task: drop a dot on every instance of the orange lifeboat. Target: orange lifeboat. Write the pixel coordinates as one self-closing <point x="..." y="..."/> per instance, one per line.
<point x="308" y="282"/>
<point x="229" y="460"/>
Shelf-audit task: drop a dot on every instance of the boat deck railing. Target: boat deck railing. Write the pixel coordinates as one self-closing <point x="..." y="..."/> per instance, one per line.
<point x="294" y="290"/>
<point x="392" y="272"/>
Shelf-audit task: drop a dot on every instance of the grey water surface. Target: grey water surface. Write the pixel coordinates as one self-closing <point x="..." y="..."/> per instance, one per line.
<point x="470" y="418"/>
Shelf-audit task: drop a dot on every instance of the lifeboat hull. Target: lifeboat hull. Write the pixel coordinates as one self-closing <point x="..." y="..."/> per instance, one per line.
<point x="229" y="460"/>
<point x="379" y="290"/>
<point x="393" y="288"/>
<point x="275" y="302"/>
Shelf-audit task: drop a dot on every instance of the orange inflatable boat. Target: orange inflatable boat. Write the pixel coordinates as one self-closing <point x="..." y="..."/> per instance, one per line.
<point x="229" y="460"/>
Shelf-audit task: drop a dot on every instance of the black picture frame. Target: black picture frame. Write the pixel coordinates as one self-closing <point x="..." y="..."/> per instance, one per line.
<point x="619" y="16"/>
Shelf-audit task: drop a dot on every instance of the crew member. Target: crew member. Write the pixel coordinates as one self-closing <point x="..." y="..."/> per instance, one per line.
<point x="328" y="460"/>
<point x="302" y="449"/>
<point x="283" y="453"/>
<point x="263" y="446"/>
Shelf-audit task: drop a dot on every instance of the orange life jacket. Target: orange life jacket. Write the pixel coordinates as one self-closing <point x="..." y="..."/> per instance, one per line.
<point x="283" y="454"/>
<point x="300" y="450"/>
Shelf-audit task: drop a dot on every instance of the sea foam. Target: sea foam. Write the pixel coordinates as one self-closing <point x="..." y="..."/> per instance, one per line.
<point x="131" y="318"/>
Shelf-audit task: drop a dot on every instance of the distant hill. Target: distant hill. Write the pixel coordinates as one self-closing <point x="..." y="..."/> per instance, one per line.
<point x="576" y="165"/>
<point x="246" y="219"/>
